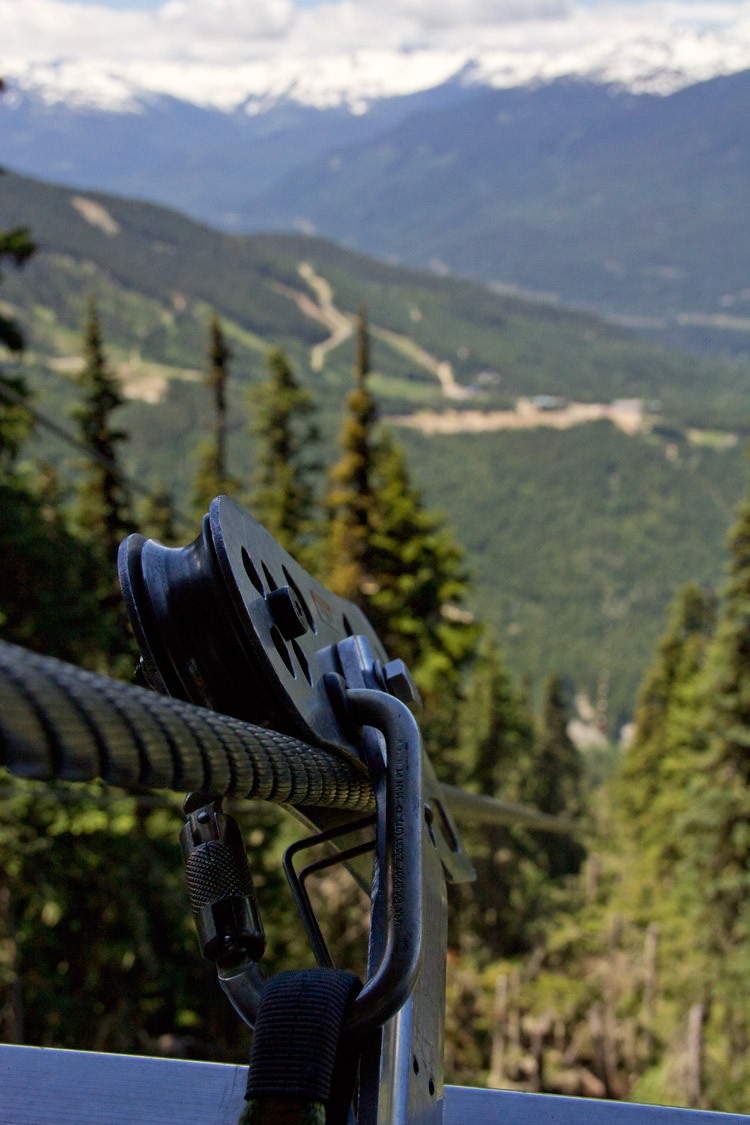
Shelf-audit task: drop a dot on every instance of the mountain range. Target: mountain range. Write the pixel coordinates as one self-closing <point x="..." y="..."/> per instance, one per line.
<point x="631" y="204"/>
<point x="636" y="206"/>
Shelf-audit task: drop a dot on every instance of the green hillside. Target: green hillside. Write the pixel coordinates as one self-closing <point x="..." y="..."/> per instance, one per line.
<point x="579" y="540"/>
<point x="578" y="536"/>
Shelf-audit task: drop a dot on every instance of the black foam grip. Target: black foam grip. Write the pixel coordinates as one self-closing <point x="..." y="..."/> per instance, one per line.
<point x="298" y="1034"/>
<point x="59" y="721"/>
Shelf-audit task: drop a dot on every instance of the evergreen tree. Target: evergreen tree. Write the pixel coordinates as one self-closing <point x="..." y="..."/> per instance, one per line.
<point x="211" y="478"/>
<point x="15" y="423"/>
<point x="654" y="783"/>
<point x="103" y="512"/>
<point x="393" y="557"/>
<point x="616" y="970"/>
<point x="717" y="824"/>
<point x="157" y="516"/>
<point x="558" y="790"/>
<point x="15" y="246"/>
<point x="47" y="602"/>
<point x="417" y="579"/>
<point x="283" y="497"/>
<point x="558" y="779"/>
<point x="39" y="557"/>
<point x="496" y="732"/>
<point x="351" y="500"/>
<point x="495" y="756"/>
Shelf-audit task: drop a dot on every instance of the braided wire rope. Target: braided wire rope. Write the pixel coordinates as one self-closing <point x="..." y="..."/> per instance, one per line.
<point x="58" y="721"/>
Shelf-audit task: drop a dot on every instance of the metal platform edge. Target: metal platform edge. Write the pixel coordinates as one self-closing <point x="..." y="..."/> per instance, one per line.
<point x="49" y="1086"/>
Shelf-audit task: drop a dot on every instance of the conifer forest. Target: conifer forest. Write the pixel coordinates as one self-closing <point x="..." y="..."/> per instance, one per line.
<point x="609" y="964"/>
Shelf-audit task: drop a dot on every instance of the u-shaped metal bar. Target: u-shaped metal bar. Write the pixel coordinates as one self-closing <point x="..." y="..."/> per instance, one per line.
<point x="388" y="989"/>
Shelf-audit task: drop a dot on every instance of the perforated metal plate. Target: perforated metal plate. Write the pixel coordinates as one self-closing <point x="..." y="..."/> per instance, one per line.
<point x="212" y="629"/>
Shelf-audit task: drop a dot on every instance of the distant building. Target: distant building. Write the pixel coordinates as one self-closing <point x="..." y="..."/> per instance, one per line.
<point x="547" y="402"/>
<point x="633" y="404"/>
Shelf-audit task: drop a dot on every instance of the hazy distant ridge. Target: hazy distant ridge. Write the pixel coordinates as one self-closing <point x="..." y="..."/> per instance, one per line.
<point x="635" y="205"/>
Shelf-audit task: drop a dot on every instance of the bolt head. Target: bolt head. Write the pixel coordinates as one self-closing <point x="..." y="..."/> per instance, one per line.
<point x="286" y="612"/>
<point x="398" y="682"/>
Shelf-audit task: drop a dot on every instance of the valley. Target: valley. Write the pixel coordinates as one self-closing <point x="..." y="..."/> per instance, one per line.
<point x="588" y="472"/>
<point x="630" y="202"/>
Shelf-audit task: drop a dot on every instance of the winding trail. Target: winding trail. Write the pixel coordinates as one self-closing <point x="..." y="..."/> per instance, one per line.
<point x="441" y="369"/>
<point x="626" y="414"/>
<point x="339" y="324"/>
<point x="341" y="327"/>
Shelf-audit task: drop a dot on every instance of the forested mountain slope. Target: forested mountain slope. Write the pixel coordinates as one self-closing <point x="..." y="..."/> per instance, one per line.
<point x="578" y="536"/>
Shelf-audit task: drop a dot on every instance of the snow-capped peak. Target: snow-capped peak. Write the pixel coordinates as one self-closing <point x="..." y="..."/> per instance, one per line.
<point x="220" y="56"/>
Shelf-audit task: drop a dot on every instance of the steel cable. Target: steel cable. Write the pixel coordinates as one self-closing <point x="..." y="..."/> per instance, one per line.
<point x="59" y="721"/>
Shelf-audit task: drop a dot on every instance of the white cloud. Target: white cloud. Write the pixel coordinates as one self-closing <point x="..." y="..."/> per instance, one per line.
<point x="55" y="29"/>
<point x="220" y="52"/>
<point x="222" y="21"/>
<point x="432" y="14"/>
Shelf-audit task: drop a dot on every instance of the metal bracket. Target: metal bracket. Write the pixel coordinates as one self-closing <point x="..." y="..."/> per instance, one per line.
<point x="391" y="983"/>
<point x="359" y="668"/>
<point x="297" y="883"/>
<point x="232" y="622"/>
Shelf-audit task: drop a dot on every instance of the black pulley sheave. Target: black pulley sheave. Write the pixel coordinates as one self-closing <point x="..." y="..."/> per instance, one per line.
<point x="234" y="623"/>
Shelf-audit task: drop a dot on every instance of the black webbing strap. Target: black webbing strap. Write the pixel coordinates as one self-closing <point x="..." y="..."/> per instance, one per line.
<point x="303" y="1068"/>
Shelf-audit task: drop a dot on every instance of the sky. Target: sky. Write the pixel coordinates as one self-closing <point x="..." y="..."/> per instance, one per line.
<point x="117" y="27"/>
<point x="217" y="48"/>
<point x="153" y="5"/>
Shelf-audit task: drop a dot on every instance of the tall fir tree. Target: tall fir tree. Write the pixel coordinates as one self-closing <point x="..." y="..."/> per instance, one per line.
<point x="103" y="512"/>
<point x="495" y="756"/>
<point x="497" y="736"/>
<point x="717" y="822"/>
<point x="558" y="780"/>
<point x="396" y="559"/>
<point x="48" y="601"/>
<point x="39" y="557"/>
<point x="15" y="423"/>
<point x="211" y="477"/>
<point x="283" y="494"/>
<point x="157" y="516"/>
<point x="725" y="776"/>
<point x="16" y="246"/>
<point x="654" y="781"/>
<point x="350" y="499"/>
<point x="418" y="579"/>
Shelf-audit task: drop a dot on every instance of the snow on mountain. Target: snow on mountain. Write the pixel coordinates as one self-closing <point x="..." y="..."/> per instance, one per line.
<point x="90" y="57"/>
<point x="354" y="81"/>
